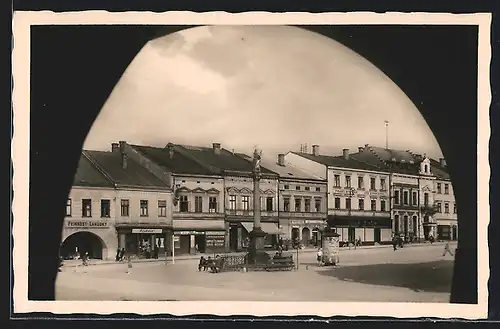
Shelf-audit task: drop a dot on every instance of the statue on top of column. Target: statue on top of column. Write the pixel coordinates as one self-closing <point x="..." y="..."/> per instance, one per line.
<point x="257" y="155"/>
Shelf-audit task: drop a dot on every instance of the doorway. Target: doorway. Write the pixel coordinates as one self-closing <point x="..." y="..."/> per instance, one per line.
<point x="233" y="238"/>
<point x="306" y="236"/>
<point x="200" y="242"/>
<point x="377" y="235"/>
<point x="79" y="243"/>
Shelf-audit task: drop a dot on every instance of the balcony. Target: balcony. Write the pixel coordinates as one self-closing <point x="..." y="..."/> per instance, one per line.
<point x="360" y="213"/>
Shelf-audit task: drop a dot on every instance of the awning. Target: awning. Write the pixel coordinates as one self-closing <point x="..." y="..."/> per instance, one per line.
<point x="198" y="225"/>
<point x="269" y="228"/>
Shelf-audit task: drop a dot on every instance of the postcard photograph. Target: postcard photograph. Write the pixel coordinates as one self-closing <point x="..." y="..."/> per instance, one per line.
<point x="258" y="163"/>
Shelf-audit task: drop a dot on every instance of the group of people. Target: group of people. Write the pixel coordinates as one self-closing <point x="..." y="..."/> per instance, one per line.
<point x="120" y="254"/>
<point x="212" y="264"/>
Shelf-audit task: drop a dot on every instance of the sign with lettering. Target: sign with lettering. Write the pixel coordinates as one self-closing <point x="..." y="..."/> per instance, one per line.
<point x="214" y="240"/>
<point x="216" y="233"/>
<point x="87" y="224"/>
<point x="307" y="222"/>
<point x="189" y="233"/>
<point x="146" y="230"/>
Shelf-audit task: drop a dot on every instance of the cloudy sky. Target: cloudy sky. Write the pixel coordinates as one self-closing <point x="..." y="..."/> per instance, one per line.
<point x="275" y="87"/>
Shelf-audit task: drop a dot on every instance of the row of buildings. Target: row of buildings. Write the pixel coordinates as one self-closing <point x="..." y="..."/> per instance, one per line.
<point x="193" y="198"/>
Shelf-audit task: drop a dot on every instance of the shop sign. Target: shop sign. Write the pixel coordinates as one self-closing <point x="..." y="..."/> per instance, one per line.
<point x="87" y="224"/>
<point x="307" y="222"/>
<point x="147" y="230"/>
<point x="189" y="233"/>
<point x="214" y="240"/>
<point x="177" y="238"/>
<point x="216" y="233"/>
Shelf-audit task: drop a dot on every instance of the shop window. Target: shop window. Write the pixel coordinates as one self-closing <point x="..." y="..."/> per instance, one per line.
<point x="348" y="203"/>
<point x="125" y="207"/>
<point x="68" y="207"/>
<point x="298" y="205"/>
<point x="373" y="205"/>
<point x="105" y="208"/>
<point x="286" y="204"/>
<point x="307" y="205"/>
<point x="361" y="183"/>
<point x="382" y="205"/>
<point x="198" y="204"/>
<point x="86" y="208"/>
<point x="336" y="181"/>
<point x="212" y="204"/>
<point x="337" y="203"/>
<point x="372" y="183"/>
<point x="396" y="197"/>
<point x="317" y="204"/>
<point x="361" y="204"/>
<point x="347" y="181"/>
<point x="232" y="202"/>
<point x="183" y="203"/>
<point x="269" y="204"/>
<point x="245" y="201"/>
<point x="162" y="208"/>
<point x="144" y="208"/>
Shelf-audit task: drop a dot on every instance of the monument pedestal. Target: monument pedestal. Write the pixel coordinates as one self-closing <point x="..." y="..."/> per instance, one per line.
<point x="256" y="253"/>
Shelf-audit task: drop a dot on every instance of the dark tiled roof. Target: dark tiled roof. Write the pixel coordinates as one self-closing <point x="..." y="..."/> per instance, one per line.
<point x="133" y="175"/>
<point x="438" y="171"/>
<point x="178" y="164"/>
<point x="224" y="161"/>
<point x="340" y="161"/>
<point x="88" y="175"/>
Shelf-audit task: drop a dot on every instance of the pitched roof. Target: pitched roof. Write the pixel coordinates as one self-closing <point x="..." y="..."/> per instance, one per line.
<point x="88" y="175"/>
<point x="340" y="161"/>
<point x="133" y="175"/>
<point x="289" y="171"/>
<point x="178" y="164"/>
<point x="438" y="171"/>
<point x="222" y="162"/>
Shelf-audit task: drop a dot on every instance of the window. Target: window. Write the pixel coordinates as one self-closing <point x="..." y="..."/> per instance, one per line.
<point x="426" y="199"/>
<point x="406" y="198"/>
<point x="348" y="203"/>
<point x="382" y="184"/>
<point x="382" y="205"/>
<point x="183" y="204"/>
<point x="347" y="181"/>
<point x="286" y="204"/>
<point x="372" y="183"/>
<point x="361" y="183"/>
<point x="446" y="208"/>
<point x="68" y="207"/>
<point x="86" y="208"/>
<point x="414" y="200"/>
<point x="125" y="207"/>
<point x="298" y="205"/>
<point x="317" y="204"/>
<point x="454" y="208"/>
<point x="269" y="203"/>
<point x="439" y="188"/>
<point x="361" y="204"/>
<point x="162" y="208"/>
<point x="212" y="204"/>
<point x="318" y="189"/>
<point x="396" y="197"/>
<point x="307" y="188"/>
<point x="373" y="205"/>
<point x="336" y="181"/>
<point x="198" y="204"/>
<point x="439" y="207"/>
<point x="446" y="189"/>
<point x="426" y="169"/>
<point x="144" y="208"/>
<point x="307" y="205"/>
<point x="232" y="202"/>
<point x="245" y="201"/>
<point x="337" y="203"/>
<point x="297" y="188"/>
<point x="286" y="187"/>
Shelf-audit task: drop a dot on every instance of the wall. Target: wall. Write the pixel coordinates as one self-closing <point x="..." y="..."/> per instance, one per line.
<point x="240" y="186"/>
<point x="192" y="186"/>
<point x="442" y="218"/>
<point x="152" y="196"/>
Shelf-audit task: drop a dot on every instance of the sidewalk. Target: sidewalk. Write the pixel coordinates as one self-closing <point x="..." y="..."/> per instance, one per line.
<point x="92" y="262"/>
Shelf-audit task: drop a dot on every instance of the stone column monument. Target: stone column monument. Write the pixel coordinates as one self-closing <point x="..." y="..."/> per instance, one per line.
<point x="256" y="251"/>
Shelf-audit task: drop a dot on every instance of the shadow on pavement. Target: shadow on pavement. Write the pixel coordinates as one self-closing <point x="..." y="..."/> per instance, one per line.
<point x="426" y="277"/>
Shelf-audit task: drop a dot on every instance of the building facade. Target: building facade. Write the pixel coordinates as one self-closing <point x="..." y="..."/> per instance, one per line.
<point x="446" y="207"/>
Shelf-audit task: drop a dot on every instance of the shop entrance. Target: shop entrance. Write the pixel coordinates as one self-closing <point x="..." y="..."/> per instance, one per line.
<point x="316" y="237"/>
<point x="377" y="235"/>
<point x="200" y="243"/>
<point x="295" y="234"/>
<point x="79" y="243"/>
<point x="233" y="238"/>
<point x="306" y="236"/>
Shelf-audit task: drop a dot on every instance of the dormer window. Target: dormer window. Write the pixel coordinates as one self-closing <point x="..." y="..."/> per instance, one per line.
<point x="426" y="168"/>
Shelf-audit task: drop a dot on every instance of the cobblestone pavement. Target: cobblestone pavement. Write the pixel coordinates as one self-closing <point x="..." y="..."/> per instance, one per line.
<point x="364" y="275"/>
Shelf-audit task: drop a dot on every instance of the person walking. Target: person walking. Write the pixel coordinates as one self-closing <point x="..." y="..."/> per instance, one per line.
<point x="447" y="249"/>
<point x="129" y="264"/>
<point x="394" y="243"/>
<point x="319" y="256"/>
<point x="117" y="257"/>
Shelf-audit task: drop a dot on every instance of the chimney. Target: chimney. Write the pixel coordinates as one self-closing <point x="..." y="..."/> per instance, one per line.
<point x="281" y="159"/>
<point x="216" y="148"/>
<point x="115" y="147"/>
<point x="345" y="153"/>
<point x="360" y="149"/>
<point x="442" y="162"/>
<point x="170" y="147"/>
<point x="315" y="150"/>
<point x="122" y="146"/>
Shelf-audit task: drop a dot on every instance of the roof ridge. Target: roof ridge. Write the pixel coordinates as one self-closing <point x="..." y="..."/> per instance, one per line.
<point x="99" y="168"/>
